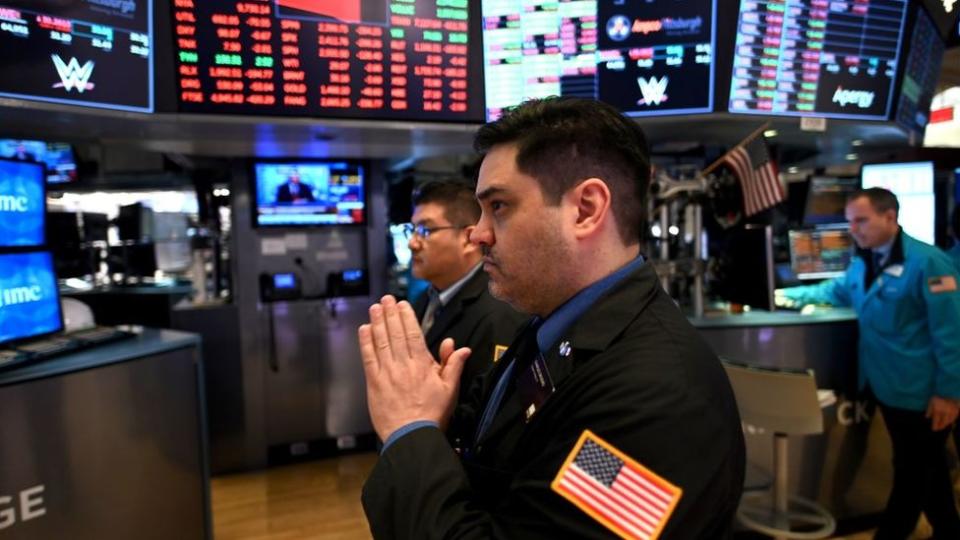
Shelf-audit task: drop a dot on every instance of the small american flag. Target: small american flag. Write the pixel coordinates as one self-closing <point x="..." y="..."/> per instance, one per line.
<point x="942" y="284"/>
<point x="757" y="173"/>
<point x="615" y="490"/>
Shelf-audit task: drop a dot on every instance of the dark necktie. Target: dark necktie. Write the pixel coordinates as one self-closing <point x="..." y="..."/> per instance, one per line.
<point x="433" y="306"/>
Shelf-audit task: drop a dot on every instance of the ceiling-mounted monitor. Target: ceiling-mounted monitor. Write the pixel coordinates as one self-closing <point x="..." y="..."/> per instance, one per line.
<point x="825" y="58"/>
<point x="58" y="157"/>
<point x="363" y="59"/>
<point x="647" y="59"/>
<point x="93" y="53"/>
<point x="921" y="72"/>
<point x="308" y="193"/>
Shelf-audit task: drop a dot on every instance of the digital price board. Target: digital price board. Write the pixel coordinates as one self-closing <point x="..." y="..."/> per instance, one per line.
<point x="920" y="74"/>
<point x="95" y="53"/>
<point x="828" y="58"/>
<point x="646" y="59"/>
<point x="382" y="59"/>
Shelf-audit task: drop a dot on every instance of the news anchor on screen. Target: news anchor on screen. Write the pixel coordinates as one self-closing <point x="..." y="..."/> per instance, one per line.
<point x="294" y="191"/>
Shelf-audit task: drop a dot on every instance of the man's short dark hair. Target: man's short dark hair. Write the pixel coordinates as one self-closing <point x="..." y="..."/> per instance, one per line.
<point x="458" y="199"/>
<point x="562" y="141"/>
<point x="880" y="199"/>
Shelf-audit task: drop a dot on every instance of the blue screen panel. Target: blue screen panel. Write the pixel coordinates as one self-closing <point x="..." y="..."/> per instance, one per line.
<point x="29" y="298"/>
<point x="295" y="194"/>
<point x="22" y="204"/>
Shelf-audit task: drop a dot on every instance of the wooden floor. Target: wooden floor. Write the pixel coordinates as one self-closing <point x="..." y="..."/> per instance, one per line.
<point x="316" y="500"/>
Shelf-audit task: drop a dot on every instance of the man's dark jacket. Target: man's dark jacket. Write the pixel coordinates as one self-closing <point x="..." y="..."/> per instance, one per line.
<point x="636" y="374"/>
<point x="475" y="319"/>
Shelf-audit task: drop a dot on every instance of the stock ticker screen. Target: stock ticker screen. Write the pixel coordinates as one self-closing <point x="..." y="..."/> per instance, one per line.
<point x="829" y="58"/>
<point x="649" y="58"/>
<point x="383" y="59"/>
<point x="95" y="53"/>
<point x="921" y="72"/>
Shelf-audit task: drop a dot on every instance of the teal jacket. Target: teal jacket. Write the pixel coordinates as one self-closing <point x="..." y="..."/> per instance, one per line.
<point x="909" y="320"/>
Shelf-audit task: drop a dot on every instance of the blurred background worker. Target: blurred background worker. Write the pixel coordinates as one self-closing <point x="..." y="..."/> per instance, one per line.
<point x="905" y="294"/>
<point x="458" y="304"/>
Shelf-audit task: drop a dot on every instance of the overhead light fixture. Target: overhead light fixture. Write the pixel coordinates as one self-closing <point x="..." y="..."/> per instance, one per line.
<point x="852" y="157"/>
<point x="857" y="142"/>
<point x="770" y="133"/>
<point x="793" y="170"/>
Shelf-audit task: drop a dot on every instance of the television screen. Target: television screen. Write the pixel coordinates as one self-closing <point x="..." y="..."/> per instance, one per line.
<point x="820" y="254"/>
<point x="58" y="157"/>
<point x="292" y="194"/>
<point x="23" y="204"/>
<point x="920" y="74"/>
<point x="29" y="298"/>
<point x="827" y="199"/>
<point x="408" y="60"/>
<point x="817" y="58"/>
<point x="95" y="53"/>
<point x="647" y="59"/>
<point x="912" y="183"/>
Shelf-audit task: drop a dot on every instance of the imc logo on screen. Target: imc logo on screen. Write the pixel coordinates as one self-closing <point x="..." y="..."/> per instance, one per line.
<point x="14" y="203"/>
<point x="72" y="74"/>
<point x="15" y="296"/>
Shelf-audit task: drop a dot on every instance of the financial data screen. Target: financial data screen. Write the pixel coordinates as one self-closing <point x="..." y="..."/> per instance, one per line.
<point x="95" y="53"/>
<point x="646" y="58"/>
<point x="389" y="59"/>
<point x="920" y="75"/>
<point x="829" y="58"/>
<point x="820" y="254"/>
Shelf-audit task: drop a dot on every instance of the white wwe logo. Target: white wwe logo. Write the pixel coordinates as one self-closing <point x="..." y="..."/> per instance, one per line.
<point x="654" y="91"/>
<point x="72" y="75"/>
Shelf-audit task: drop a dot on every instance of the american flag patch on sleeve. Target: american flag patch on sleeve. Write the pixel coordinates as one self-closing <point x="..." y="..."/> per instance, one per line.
<point x="942" y="284"/>
<point x="615" y="490"/>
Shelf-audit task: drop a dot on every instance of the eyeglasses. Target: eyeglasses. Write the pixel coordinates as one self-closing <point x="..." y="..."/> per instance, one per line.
<point x="424" y="232"/>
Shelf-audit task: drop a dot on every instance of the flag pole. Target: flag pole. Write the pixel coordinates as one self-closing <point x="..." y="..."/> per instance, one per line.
<point x="756" y="133"/>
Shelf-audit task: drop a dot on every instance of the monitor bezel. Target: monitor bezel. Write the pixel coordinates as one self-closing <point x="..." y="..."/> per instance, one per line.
<point x="43" y="237"/>
<point x="61" y="325"/>
<point x="255" y="207"/>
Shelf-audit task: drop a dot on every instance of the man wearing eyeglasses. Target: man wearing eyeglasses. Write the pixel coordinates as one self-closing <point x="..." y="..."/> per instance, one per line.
<point x="458" y="304"/>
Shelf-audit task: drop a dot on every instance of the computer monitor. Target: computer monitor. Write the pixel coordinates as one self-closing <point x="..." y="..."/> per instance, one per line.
<point x="827" y="199"/>
<point x="29" y="297"/>
<point x="309" y="193"/>
<point x="23" y="204"/>
<point x="912" y="183"/>
<point x="820" y="254"/>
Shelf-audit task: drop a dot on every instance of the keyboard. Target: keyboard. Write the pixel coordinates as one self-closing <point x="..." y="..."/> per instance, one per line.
<point x="60" y="344"/>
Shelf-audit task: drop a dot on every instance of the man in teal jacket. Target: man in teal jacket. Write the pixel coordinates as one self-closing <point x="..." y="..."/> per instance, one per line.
<point x="905" y="293"/>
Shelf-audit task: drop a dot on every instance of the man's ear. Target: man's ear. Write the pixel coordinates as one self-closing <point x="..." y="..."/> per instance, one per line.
<point x="591" y="201"/>
<point x="465" y="242"/>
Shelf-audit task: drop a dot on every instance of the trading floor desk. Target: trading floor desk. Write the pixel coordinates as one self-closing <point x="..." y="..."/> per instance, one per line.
<point x="847" y="468"/>
<point x="107" y="443"/>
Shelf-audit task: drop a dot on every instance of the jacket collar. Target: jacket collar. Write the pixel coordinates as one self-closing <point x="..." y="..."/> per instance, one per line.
<point x="471" y="290"/>
<point x="590" y="334"/>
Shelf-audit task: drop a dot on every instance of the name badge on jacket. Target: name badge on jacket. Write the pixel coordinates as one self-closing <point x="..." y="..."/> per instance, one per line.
<point x="534" y="386"/>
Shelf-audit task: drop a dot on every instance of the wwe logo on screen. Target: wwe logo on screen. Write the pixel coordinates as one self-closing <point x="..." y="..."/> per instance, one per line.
<point x="72" y="75"/>
<point x="654" y="91"/>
